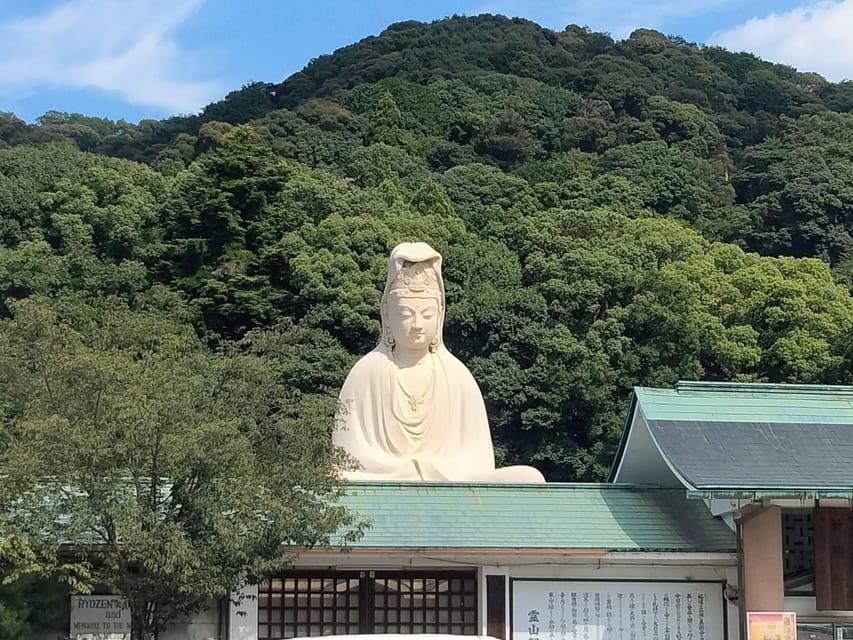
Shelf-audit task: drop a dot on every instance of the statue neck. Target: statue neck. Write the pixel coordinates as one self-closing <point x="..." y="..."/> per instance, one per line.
<point x="405" y="358"/>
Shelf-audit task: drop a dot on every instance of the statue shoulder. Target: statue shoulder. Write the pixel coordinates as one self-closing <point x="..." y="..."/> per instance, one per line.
<point x="366" y="367"/>
<point x="456" y="369"/>
<point x="370" y="360"/>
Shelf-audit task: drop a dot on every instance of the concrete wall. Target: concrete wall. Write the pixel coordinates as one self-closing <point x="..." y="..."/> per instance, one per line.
<point x="205" y="625"/>
<point x="243" y="615"/>
<point x="221" y="621"/>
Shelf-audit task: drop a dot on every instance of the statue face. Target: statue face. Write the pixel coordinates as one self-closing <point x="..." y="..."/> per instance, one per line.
<point x="414" y="322"/>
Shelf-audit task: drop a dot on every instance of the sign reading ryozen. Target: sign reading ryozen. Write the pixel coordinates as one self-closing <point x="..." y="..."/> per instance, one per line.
<point x="600" y="610"/>
<point x="99" y="618"/>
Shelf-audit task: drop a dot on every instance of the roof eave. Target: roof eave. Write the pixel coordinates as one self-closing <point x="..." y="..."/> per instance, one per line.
<point x="756" y="493"/>
<point x="623" y="440"/>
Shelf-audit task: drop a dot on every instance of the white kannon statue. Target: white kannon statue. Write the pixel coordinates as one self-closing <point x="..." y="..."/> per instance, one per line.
<point x="410" y="410"/>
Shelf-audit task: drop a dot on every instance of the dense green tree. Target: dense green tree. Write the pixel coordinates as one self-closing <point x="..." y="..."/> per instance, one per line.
<point x="372" y="164"/>
<point x="674" y="182"/>
<point x="13" y="130"/>
<point x="186" y="468"/>
<point x="77" y="222"/>
<point x="506" y="139"/>
<point x="797" y="189"/>
<point x="253" y="100"/>
<point x="385" y="124"/>
<point x="684" y="125"/>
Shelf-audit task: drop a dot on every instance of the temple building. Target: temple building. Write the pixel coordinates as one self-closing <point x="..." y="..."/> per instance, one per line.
<point x="774" y="463"/>
<point x="476" y="559"/>
<point x="723" y="499"/>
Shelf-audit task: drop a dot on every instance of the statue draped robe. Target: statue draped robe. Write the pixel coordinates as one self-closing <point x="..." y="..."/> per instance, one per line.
<point x="453" y="442"/>
<point x="452" y="439"/>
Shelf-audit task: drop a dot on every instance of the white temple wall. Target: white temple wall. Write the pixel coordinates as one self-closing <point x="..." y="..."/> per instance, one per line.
<point x="717" y="568"/>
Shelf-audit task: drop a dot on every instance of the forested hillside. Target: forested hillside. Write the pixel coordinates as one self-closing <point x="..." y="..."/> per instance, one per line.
<point x="611" y="213"/>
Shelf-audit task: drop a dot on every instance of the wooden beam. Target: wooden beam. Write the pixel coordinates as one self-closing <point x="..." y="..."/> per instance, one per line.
<point x="496" y="606"/>
<point x="833" y="558"/>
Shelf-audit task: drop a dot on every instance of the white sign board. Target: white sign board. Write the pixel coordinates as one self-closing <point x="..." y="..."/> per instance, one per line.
<point x="601" y="610"/>
<point x="99" y="618"/>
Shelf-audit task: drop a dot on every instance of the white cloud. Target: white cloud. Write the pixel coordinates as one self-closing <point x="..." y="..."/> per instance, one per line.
<point x="123" y="47"/>
<point x="815" y="37"/>
<point x="617" y="17"/>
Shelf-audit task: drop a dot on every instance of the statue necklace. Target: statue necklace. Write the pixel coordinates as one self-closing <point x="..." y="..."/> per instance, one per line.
<point x="415" y="404"/>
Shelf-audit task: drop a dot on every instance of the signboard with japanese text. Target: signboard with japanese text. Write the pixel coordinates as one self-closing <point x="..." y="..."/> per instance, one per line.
<point x="99" y="618"/>
<point x="771" y="626"/>
<point x="602" y="610"/>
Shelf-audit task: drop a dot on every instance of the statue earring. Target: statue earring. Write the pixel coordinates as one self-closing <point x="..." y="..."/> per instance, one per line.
<point x="433" y="345"/>
<point x="389" y="340"/>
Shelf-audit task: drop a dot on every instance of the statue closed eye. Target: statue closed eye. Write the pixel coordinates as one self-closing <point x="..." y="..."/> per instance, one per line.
<point x="411" y="410"/>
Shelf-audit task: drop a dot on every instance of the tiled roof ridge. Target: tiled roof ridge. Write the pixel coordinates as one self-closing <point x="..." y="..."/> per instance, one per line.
<point x="697" y="386"/>
<point x="507" y="486"/>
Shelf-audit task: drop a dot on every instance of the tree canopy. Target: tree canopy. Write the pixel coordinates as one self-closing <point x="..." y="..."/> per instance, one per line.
<point x="178" y="470"/>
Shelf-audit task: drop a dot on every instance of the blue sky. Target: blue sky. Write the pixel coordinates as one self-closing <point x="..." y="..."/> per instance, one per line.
<point x="137" y="59"/>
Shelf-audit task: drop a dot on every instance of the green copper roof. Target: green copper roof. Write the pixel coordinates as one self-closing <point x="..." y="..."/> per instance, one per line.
<point x="744" y="402"/>
<point x="417" y="515"/>
<point x="743" y="440"/>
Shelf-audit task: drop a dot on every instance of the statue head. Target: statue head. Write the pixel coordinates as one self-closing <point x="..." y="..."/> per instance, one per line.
<point x="413" y="300"/>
